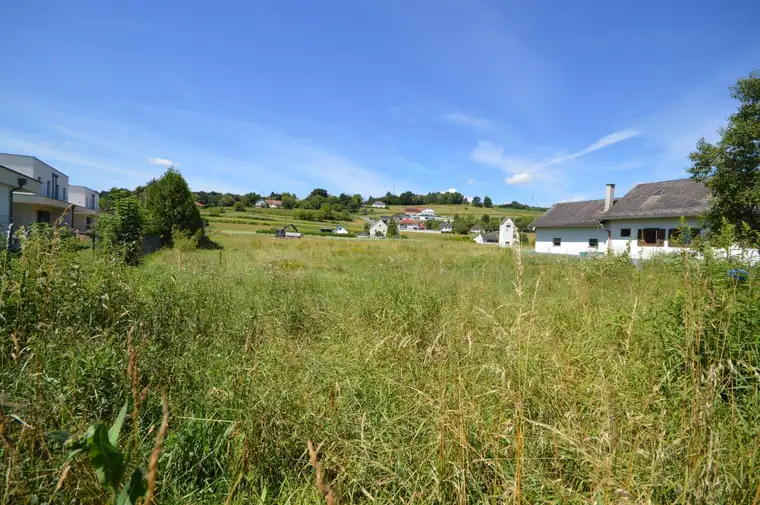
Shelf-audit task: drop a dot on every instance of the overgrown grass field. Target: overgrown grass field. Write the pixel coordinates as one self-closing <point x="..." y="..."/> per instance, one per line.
<point x="423" y="371"/>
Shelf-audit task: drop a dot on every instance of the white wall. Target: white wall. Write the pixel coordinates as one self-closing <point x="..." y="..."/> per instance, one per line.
<point x="5" y="209"/>
<point x="619" y="243"/>
<point x="82" y="196"/>
<point x="36" y="169"/>
<point x="574" y="240"/>
<point x="26" y="214"/>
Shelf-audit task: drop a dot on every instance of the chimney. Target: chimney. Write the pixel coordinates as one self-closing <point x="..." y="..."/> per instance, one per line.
<point x="609" y="198"/>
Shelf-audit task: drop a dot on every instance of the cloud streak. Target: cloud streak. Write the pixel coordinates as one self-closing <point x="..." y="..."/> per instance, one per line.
<point x="163" y="162"/>
<point x="526" y="170"/>
<point x="606" y="141"/>
<point x="457" y="118"/>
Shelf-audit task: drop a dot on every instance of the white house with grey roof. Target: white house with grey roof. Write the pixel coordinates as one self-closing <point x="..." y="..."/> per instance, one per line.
<point x="648" y="219"/>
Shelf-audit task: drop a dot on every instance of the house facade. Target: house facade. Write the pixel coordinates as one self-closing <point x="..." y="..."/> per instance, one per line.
<point x="274" y="204"/>
<point x="340" y="230"/>
<point x="47" y="199"/>
<point x="377" y="204"/>
<point x="378" y="229"/>
<point x="648" y="220"/>
<point x="446" y="228"/>
<point x="410" y="224"/>
<point x="486" y="238"/>
<point x="262" y="204"/>
<point x="508" y="235"/>
<point x="12" y="181"/>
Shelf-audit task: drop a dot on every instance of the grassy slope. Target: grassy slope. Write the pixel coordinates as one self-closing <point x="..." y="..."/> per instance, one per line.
<point x="429" y="372"/>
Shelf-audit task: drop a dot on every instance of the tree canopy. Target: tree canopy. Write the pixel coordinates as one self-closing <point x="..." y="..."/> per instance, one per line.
<point x="731" y="167"/>
<point x="169" y="204"/>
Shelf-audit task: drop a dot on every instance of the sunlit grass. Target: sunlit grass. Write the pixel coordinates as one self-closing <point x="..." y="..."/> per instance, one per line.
<point x="427" y="371"/>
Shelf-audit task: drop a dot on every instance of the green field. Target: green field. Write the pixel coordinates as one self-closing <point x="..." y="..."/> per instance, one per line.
<point x="426" y="371"/>
<point x="254" y="219"/>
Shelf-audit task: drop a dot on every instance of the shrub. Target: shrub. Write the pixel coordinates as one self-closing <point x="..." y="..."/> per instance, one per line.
<point x="120" y="232"/>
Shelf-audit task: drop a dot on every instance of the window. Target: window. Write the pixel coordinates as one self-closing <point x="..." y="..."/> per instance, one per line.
<point x="557" y="241"/>
<point x="625" y="232"/>
<point x="43" y="216"/>
<point x="651" y="237"/>
<point x="593" y="242"/>
<point x="47" y="190"/>
<point x="64" y="194"/>
<point x="55" y="186"/>
<point x="682" y="237"/>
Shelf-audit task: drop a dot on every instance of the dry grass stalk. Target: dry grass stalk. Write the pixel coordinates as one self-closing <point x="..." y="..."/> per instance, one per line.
<point x="134" y="380"/>
<point x="323" y="488"/>
<point x="153" y="466"/>
<point x="59" y="485"/>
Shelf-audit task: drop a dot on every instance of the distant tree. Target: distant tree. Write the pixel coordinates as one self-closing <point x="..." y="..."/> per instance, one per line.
<point x="461" y="225"/>
<point x="731" y="168"/>
<point x="318" y="192"/>
<point x="344" y="215"/>
<point x="393" y="228"/>
<point x="485" y="218"/>
<point x="432" y="224"/>
<point x="238" y="206"/>
<point x="250" y="199"/>
<point x="406" y="198"/>
<point x="487" y="202"/>
<point x="226" y="201"/>
<point x="169" y="204"/>
<point x="120" y="232"/>
<point x="366" y="227"/>
<point x="476" y="202"/>
<point x="288" y="202"/>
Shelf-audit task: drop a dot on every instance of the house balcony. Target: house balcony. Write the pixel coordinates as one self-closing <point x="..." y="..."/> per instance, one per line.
<point x="29" y="208"/>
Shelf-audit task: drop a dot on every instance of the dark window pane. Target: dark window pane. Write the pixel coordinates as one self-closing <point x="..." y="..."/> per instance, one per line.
<point x="625" y="232"/>
<point x="593" y="242"/>
<point x="557" y="241"/>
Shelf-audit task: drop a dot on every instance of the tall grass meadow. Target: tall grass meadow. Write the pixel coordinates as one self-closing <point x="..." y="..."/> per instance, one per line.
<point x="347" y="371"/>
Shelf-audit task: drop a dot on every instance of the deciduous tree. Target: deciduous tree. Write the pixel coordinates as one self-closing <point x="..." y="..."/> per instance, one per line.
<point x="731" y="167"/>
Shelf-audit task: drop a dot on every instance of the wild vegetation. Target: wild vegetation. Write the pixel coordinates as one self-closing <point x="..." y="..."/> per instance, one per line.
<point x="334" y="371"/>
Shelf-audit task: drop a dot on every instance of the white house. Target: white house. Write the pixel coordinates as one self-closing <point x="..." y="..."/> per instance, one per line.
<point x="446" y="228"/>
<point x="508" y="235"/>
<point x="262" y="204"/>
<point x="426" y="214"/>
<point x="378" y="229"/>
<point x="86" y="198"/>
<point x="340" y="230"/>
<point x="647" y="219"/>
<point x="486" y="238"/>
<point x="46" y="200"/>
<point x="377" y="204"/>
<point x="12" y="181"/>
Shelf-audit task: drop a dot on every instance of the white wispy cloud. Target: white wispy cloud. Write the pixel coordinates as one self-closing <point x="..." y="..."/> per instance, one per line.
<point x="163" y="162"/>
<point x="450" y="190"/>
<point x="519" y="178"/>
<point x="471" y="182"/>
<point x="607" y="140"/>
<point x="524" y="170"/>
<point x="458" y="118"/>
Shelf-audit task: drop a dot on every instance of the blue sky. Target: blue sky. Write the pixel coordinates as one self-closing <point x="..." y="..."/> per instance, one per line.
<point x="530" y="101"/>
